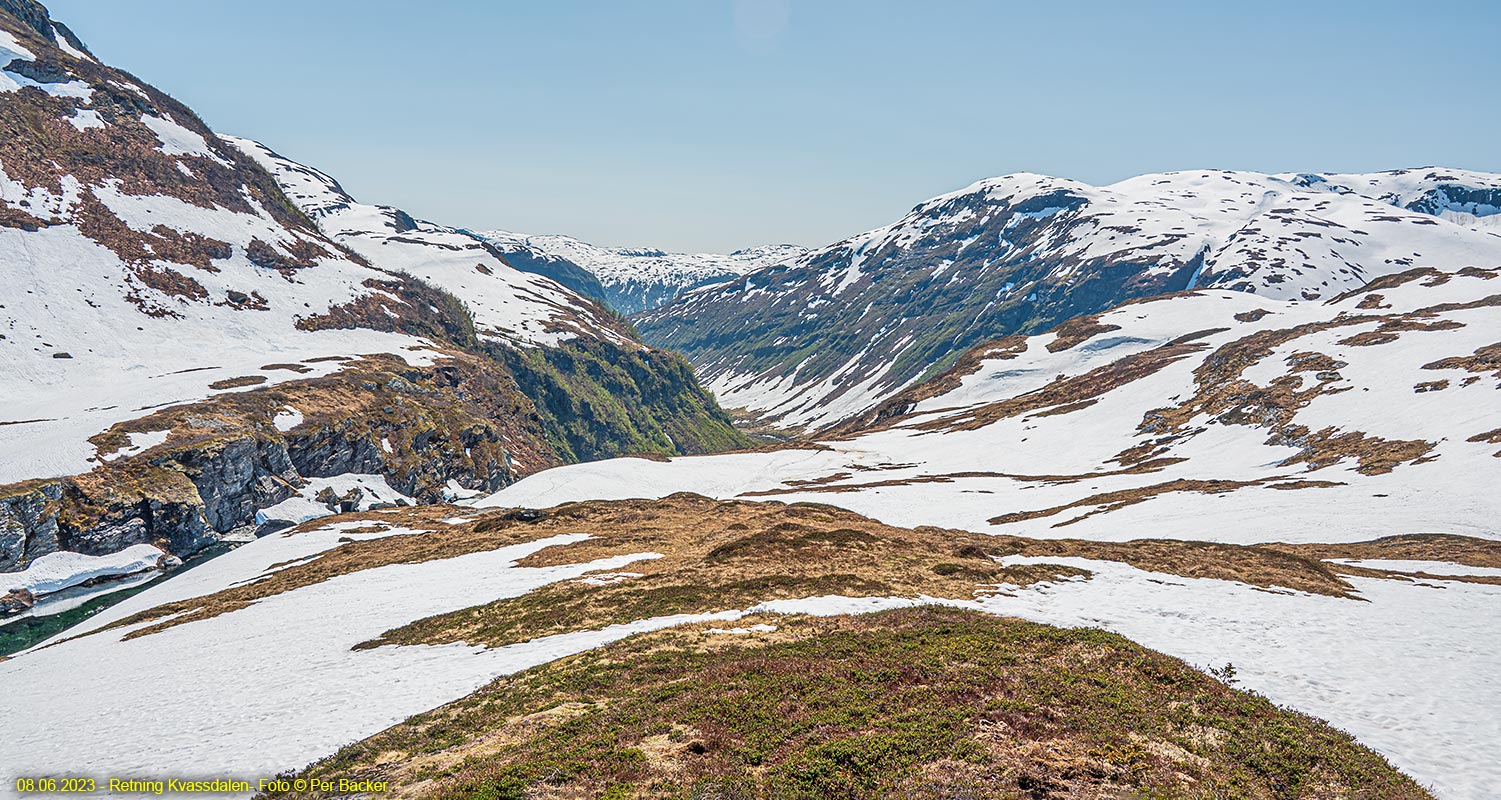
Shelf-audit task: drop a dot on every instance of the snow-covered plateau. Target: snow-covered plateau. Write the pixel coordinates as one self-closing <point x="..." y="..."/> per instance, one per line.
<point x="1215" y="415"/>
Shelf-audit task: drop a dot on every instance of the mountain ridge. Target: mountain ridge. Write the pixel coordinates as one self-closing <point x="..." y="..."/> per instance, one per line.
<point x="636" y="279"/>
<point x="809" y="343"/>
<point x="192" y="342"/>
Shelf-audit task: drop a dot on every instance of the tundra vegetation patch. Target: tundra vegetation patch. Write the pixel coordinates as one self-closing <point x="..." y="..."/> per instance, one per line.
<point x="921" y="703"/>
<point x="732" y="555"/>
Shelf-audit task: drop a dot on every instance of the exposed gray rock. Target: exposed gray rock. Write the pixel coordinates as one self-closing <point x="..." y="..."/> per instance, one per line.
<point x="351" y="500"/>
<point x="181" y="527"/>
<point x="32" y="13"/>
<point x="28" y="524"/>
<point x="334" y="451"/>
<point x="39" y="70"/>
<point x="241" y="476"/>
<point x="14" y="602"/>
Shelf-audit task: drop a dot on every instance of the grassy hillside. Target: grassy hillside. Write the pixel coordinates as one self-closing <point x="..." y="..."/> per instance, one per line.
<point x="919" y="703"/>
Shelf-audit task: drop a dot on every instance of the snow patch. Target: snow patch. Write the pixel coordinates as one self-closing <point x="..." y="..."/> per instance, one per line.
<point x="139" y="442"/>
<point x="239" y="726"/>
<point x="62" y="569"/>
<point x="288" y="418"/>
<point x="1430" y="567"/>
<point x="759" y="628"/>
<point x="303" y="506"/>
<point x="86" y="118"/>
<point x="177" y="140"/>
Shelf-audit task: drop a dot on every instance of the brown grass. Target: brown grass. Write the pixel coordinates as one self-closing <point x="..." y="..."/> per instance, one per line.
<point x="1078" y="330"/>
<point x="718" y="556"/>
<point x="1408" y="547"/>
<point x="903" y="402"/>
<point x="731" y="555"/>
<point x="1105" y="502"/>
<point x="1485" y="360"/>
<point x="1389" y="330"/>
<point x="238" y="382"/>
<point x="489" y="533"/>
<point x="829" y="483"/>
<point x="1222" y="393"/>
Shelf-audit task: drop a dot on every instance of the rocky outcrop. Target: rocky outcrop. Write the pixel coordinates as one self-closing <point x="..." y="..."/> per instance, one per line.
<point x="335" y="451"/>
<point x="32" y="13"/>
<point x="28" y="523"/>
<point x="1480" y="201"/>
<point x="478" y="421"/>
<point x="177" y="526"/>
<point x="238" y="478"/>
<point x="16" y="601"/>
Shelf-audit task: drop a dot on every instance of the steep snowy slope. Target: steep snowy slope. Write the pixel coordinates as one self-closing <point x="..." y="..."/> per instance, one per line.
<point x="809" y="343"/>
<point x="182" y="344"/>
<point x="637" y="279"/>
<point x="507" y="304"/>
<point x="137" y="247"/>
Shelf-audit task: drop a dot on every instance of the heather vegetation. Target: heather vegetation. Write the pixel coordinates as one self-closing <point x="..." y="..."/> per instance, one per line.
<point x="919" y="703"/>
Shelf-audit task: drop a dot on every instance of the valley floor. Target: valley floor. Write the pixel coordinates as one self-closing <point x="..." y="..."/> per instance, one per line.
<point x="286" y="649"/>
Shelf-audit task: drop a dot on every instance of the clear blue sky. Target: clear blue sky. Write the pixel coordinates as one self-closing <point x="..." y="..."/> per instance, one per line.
<point x="713" y="124"/>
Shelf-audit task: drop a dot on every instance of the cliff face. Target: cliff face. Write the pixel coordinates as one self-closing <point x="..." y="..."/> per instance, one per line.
<point x="224" y="460"/>
<point x="192" y="329"/>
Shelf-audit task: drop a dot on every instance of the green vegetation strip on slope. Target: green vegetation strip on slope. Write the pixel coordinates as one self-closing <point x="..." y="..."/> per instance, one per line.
<point x="921" y="703"/>
<point x="598" y="400"/>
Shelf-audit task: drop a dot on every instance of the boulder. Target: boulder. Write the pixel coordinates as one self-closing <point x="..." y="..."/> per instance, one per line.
<point x="16" y="601"/>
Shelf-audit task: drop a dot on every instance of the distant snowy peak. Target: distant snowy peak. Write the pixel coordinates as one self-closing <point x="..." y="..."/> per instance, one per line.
<point x="826" y="335"/>
<point x="508" y="304"/>
<point x="1245" y="226"/>
<point x="636" y="279"/>
<point x="622" y="263"/>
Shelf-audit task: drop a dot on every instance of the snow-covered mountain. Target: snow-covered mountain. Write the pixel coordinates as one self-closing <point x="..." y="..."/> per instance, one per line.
<point x="507" y="304"/>
<point x="634" y="279"/>
<point x="192" y="328"/>
<point x="1247" y="421"/>
<point x="1298" y="489"/>
<point x="1363" y="428"/>
<point x="1209" y="414"/>
<point x="808" y="343"/>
